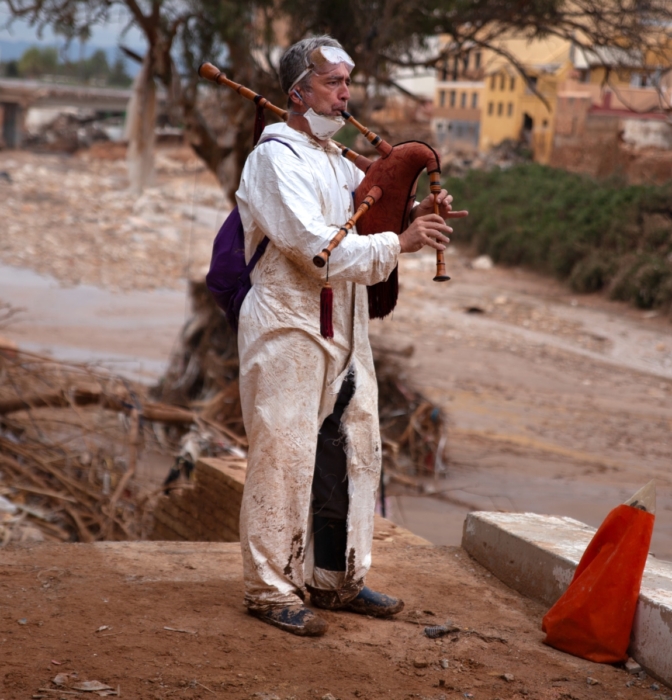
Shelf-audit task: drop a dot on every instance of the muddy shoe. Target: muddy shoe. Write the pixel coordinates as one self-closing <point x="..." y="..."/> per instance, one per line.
<point x="369" y="602"/>
<point x="296" y="619"/>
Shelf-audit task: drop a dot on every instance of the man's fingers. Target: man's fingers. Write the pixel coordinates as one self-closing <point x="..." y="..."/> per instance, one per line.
<point x="437" y="240"/>
<point x="431" y="243"/>
<point x="431" y="218"/>
<point x="431" y="227"/>
<point x="457" y="214"/>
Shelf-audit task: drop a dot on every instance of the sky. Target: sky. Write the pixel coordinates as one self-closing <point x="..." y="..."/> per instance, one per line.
<point x="14" y="41"/>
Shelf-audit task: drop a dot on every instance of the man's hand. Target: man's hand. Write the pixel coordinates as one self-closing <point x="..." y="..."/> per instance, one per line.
<point x="445" y="209"/>
<point x="428" y="230"/>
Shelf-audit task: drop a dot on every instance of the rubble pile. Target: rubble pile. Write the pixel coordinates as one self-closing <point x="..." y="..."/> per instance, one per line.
<point x="74" y="218"/>
<point x="508" y="153"/>
<point x="412" y="428"/>
<point x="70" y="440"/>
<point x="67" y="133"/>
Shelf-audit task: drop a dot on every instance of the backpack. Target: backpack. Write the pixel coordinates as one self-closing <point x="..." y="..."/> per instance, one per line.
<point x="229" y="276"/>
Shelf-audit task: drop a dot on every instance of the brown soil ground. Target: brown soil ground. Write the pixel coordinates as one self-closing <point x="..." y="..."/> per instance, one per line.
<point x="63" y="594"/>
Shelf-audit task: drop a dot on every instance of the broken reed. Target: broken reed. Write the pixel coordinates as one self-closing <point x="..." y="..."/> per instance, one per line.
<point x="596" y="235"/>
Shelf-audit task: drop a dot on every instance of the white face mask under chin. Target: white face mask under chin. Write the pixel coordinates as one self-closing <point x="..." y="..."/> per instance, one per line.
<point x="322" y="127"/>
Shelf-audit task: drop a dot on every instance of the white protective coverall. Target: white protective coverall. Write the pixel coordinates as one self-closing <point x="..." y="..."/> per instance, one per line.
<point x="290" y="375"/>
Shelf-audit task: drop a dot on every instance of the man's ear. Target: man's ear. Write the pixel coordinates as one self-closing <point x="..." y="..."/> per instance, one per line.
<point x="295" y="97"/>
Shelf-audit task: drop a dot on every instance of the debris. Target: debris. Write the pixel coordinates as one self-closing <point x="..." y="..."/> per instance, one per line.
<point x="23" y="621"/>
<point x="436" y="631"/>
<point x="59" y="691"/>
<point x="93" y="687"/>
<point x="508" y="677"/>
<point x="7" y="506"/>
<point x="501" y="300"/>
<point x="51" y="413"/>
<point x="632" y="666"/>
<point x="592" y="681"/>
<point x="420" y="663"/>
<point x="482" y="262"/>
<point x="175" y="629"/>
<point x="67" y="132"/>
<point x="444" y="663"/>
<point x="654" y="686"/>
<point x="196" y="683"/>
<point x="102" y="628"/>
<point x="328" y="696"/>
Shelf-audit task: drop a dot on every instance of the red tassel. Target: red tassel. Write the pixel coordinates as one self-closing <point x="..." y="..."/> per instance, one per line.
<point x="326" y="311"/>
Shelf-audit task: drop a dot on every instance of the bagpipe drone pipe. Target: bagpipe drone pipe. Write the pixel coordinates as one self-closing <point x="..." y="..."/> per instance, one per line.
<point x="390" y="180"/>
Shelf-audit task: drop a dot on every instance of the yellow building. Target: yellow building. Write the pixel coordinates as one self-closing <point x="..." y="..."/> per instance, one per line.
<point x="482" y="99"/>
<point x="499" y="103"/>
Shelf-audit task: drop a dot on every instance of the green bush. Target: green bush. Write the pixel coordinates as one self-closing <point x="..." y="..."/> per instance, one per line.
<point x="596" y="235"/>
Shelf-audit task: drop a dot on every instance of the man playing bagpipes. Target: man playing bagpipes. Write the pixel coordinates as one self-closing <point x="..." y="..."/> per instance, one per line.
<point x="310" y="404"/>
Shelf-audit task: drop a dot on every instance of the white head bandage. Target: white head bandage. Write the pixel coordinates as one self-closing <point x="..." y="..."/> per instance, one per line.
<point x="322" y="59"/>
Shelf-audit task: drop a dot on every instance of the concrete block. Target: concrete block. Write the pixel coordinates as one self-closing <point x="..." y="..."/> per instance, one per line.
<point x="537" y="555"/>
<point x="231" y="472"/>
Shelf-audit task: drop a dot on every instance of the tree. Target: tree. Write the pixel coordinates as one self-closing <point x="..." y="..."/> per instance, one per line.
<point x="95" y="66"/>
<point x="36" y="62"/>
<point x="118" y="75"/>
<point x="381" y="35"/>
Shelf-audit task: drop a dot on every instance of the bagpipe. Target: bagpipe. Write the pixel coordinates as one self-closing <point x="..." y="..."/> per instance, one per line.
<point x="390" y="180"/>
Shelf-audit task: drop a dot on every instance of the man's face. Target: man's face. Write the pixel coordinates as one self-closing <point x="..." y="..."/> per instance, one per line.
<point x="329" y="93"/>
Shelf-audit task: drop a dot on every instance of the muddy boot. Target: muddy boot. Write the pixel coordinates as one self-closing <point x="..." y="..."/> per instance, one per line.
<point x="296" y="619"/>
<point x="370" y="602"/>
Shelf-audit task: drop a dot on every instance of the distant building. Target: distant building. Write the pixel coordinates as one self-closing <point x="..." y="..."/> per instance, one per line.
<point x="482" y="100"/>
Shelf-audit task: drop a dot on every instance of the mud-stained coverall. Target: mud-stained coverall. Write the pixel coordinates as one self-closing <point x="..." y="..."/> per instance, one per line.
<point x="290" y="375"/>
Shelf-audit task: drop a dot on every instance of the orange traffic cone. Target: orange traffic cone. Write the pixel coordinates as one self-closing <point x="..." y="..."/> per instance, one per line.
<point x="593" y="618"/>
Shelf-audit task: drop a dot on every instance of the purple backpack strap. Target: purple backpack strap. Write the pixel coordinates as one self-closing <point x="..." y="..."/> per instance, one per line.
<point x="229" y="277"/>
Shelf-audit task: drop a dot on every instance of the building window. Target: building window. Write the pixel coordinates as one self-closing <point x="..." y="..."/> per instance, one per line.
<point x="442" y="98"/>
<point x="477" y="60"/>
<point x="474" y="100"/>
<point x="509" y="110"/>
<point x="465" y="62"/>
<point x="500" y="109"/>
<point x="463" y="100"/>
<point x="452" y="98"/>
<point x="456" y="65"/>
<point x="502" y="82"/>
<point x="444" y="70"/>
<point x="513" y="84"/>
<point x="493" y="82"/>
<point x="491" y="108"/>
